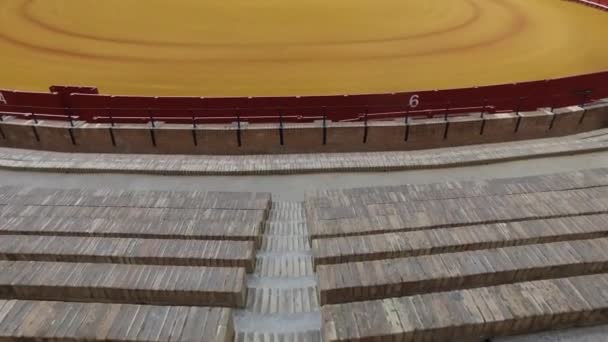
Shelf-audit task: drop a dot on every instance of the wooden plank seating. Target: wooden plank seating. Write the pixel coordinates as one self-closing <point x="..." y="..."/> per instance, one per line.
<point x="446" y="240"/>
<point x="474" y="314"/>
<point x="443" y="272"/>
<point x="129" y="251"/>
<point x="166" y="214"/>
<point x="409" y="208"/>
<point x="453" y="218"/>
<point x="59" y="321"/>
<point x="118" y="283"/>
<point x="121" y="228"/>
<point x="457" y="189"/>
<point x="112" y="198"/>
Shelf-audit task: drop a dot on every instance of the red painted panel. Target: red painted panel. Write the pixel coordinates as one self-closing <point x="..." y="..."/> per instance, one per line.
<point x="506" y="97"/>
<point x="45" y="105"/>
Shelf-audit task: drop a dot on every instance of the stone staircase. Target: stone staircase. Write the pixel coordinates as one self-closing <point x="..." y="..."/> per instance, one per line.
<point x="282" y="299"/>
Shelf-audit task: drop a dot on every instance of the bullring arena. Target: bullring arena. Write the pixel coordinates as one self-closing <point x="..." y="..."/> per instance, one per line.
<point x="277" y="48"/>
<point x="304" y="171"/>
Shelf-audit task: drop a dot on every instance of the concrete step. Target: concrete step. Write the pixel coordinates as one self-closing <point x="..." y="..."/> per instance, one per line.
<point x="281" y="300"/>
<point x="286" y="228"/>
<point x="284" y="266"/>
<point x="282" y="297"/>
<point x="285" y="243"/>
<point x="286" y="211"/>
<point x="305" y="336"/>
<point x="250" y="324"/>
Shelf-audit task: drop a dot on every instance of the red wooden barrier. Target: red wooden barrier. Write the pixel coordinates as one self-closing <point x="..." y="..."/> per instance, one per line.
<point x="92" y="107"/>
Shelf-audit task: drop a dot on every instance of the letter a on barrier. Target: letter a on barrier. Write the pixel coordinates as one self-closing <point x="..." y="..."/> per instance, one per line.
<point x="2" y="99"/>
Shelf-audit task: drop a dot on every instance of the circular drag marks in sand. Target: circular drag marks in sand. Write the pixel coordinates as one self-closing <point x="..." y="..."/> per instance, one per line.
<point x="296" y="47"/>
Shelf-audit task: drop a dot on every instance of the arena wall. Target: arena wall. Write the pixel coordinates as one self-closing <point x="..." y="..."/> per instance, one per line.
<point x="314" y="137"/>
<point x="84" y="104"/>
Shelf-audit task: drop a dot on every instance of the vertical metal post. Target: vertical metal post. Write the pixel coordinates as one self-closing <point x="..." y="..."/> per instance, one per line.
<point x="324" y="126"/>
<point x="281" y="127"/>
<point x="406" y="121"/>
<point x="153" y="126"/>
<point x="34" y="129"/>
<point x="553" y="117"/>
<point x="447" y="122"/>
<point x="238" y="128"/>
<point x="151" y="115"/>
<point x="110" y="116"/>
<point x="1" y="131"/>
<point x="518" y="114"/>
<point x="585" y="97"/>
<point x="483" y="117"/>
<point x="70" y="129"/>
<point x="194" y="137"/>
<point x="519" y="102"/>
<point x="365" y="130"/>
<point x="109" y="112"/>
<point x="67" y="110"/>
<point x="34" y="116"/>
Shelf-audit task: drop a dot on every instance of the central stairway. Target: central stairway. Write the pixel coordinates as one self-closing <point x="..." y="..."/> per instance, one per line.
<point x="282" y="300"/>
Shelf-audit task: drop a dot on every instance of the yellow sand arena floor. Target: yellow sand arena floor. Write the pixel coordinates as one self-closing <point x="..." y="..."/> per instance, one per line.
<point x="294" y="47"/>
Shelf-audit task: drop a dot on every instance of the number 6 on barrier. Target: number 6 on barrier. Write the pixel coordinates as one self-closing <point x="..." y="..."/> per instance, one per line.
<point x="2" y="99"/>
<point x="414" y="101"/>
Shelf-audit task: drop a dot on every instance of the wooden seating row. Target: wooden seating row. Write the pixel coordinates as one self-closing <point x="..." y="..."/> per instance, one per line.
<point x="474" y="314"/>
<point x="59" y="321"/>
<point x="153" y="228"/>
<point x="454" y="218"/>
<point x="129" y="251"/>
<point x="123" y="213"/>
<point x="133" y="200"/>
<point x="136" y="195"/>
<point x="507" y="201"/>
<point x="457" y="189"/>
<point x="447" y="240"/>
<point x="443" y="272"/>
<point x="119" y="283"/>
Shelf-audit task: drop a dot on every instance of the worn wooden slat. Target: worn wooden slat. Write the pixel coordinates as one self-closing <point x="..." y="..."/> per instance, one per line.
<point x="59" y="321"/>
<point x="443" y="272"/>
<point x="472" y="314"/>
<point x="457" y="189"/>
<point x="129" y="213"/>
<point x="122" y="228"/>
<point x="119" y="283"/>
<point x="129" y="251"/>
<point x="128" y="198"/>
<point x="435" y="241"/>
<point x="406" y="208"/>
<point x="456" y="217"/>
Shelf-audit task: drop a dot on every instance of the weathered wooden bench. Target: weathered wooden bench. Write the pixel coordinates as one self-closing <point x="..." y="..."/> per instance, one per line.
<point x="453" y="218"/>
<point x="121" y="228"/>
<point x="129" y="251"/>
<point x="127" y="213"/>
<point x="359" y="281"/>
<point x="59" y="321"/>
<point x="136" y="199"/>
<point x="457" y="189"/>
<point x="472" y="314"/>
<point x="447" y="240"/>
<point x="119" y="283"/>
<point x="503" y="201"/>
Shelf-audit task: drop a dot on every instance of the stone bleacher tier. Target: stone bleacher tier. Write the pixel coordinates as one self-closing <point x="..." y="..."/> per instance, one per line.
<point x="461" y="261"/>
<point x="130" y="266"/>
<point x="456" y="261"/>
